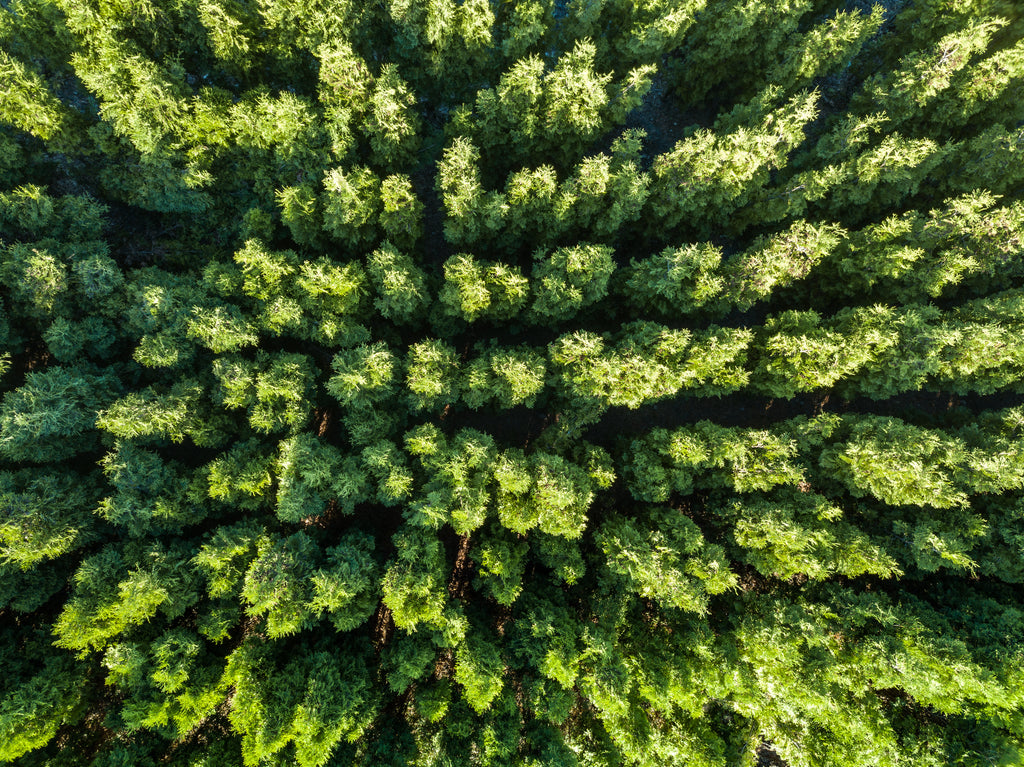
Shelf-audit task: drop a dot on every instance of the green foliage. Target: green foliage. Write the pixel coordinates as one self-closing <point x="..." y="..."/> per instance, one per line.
<point x="347" y="589"/>
<point x="664" y="557"/>
<point x="52" y="416"/>
<point x="121" y="588"/>
<point x="315" y="700"/>
<point x="360" y="207"/>
<point x="313" y="476"/>
<point x="479" y="669"/>
<point x="711" y="174"/>
<point x="569" y="280"/>
<point x="45" y="518"/>
<point x="532" y="112"/>
<point x="275" y="389"/>
<point x="401" y="286"/>
<point x="740" y="459"/>
<point x="502" y="566"/>
<point x="794" y="532"/>
<point x="148" y="492"/>
<point x="37" y="698"/>
<point x="154" y="415"/>
<point x="504" y="378"/>
<point x="413" y="587"/>
<point x="432" y="374"/>
<point x="277" y="585"/>
<point x="480" y="290"/>
<point x="225" y="556"/>
<point x="625" y="375"/>
<point x="359" y="403"/>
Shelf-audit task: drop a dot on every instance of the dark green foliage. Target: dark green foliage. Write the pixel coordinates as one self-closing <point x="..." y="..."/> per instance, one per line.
<point x="52" y="416"/>
<point x="360" y="401"/>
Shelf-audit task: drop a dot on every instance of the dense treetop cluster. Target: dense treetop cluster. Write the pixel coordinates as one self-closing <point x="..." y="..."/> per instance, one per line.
<point x="548" y="383"/>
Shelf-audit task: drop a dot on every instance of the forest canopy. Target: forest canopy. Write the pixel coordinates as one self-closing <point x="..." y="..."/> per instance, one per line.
<point x="548" y="383"/>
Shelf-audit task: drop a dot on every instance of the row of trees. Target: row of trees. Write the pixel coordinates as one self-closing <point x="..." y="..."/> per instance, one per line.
<point x="876" y="351"/>
<point x="967" y="244"/>
<point x="925" y="498"/>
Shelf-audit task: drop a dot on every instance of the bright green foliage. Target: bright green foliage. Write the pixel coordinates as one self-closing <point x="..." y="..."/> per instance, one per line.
<point x="502" y="566"/>
<point x="776" y="261"/>
<point x="569" y="280"/>
<point x="432" y="374"/>
<point x="793" y="532"/>
<point x="504" y="377"/>
<point x="41" y="279"/>
<point x="928" y="84"/>
<point x="362" y="374"/>
<point x="347" y="589"/>
<point x="897" y="463"/>
<point x="916" y="473"/>
<point x="556" y="113"/>
<point x="743" y="460"/>
<point x="879" y="351"/>
<point x="283" y="295"/>
<point x="414" y="583"/>
<point x="275" y="389"/>
<point x="242" y="476"/>
<point x="967" y="243"/>
<point x="42" y="691"/>
<point x="359" y="403"/>
<point x="823" y="49"/>
<point x="602" y="195"/>
<point x="605" y="192"/>
<point x="478" y="668"/>
<point x="401" y="286"/>
<point x="456" y="492"/>
<point x="169" y="415"/>
<point x="639" y="32"/>
<point x="388" y="469"/>
<point x="649" y="362"/>
<point x="31" y="107"/>
<point x="45" y="518"/>
<point x="476" y="289"/>
<point x="225" y="556"/>
<point x="391" y="125"/>
<point x="121" y="588"/>
<point x="544" y="491"/>
<point x="174" y="683"/>
<point x="678" y="280"/>
<point x="359" y="207"/>
<point x="710" y="175"/>
<point x="278" y="584"/>
<point x="873" y="180"/>
<point x="693" y="278"/>
<point x="472" y="213"/>
<point x="314" y="700"/>
<point x="744" y="35"/>
<point x="223" y="329"/>
<point x="365" y="376"/>
<point x="665" y="559"/>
